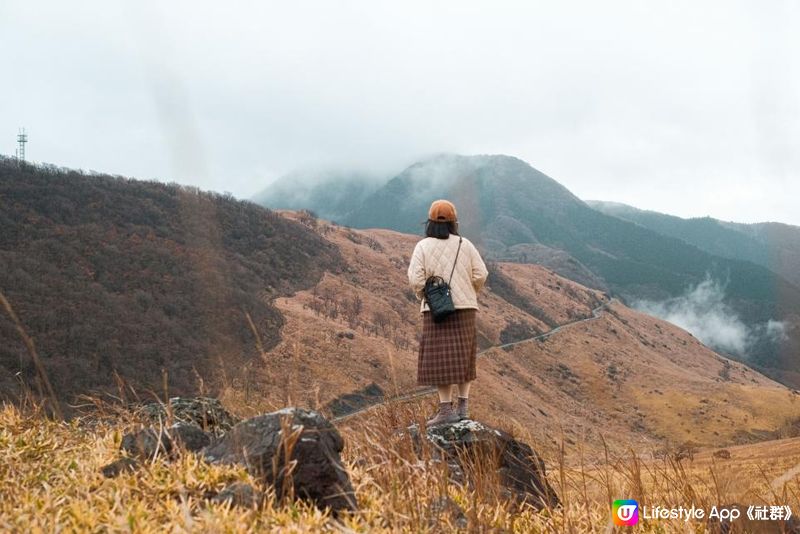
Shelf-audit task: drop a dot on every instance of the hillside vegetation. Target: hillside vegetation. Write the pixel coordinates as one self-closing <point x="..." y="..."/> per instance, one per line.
<point x="122" y="278"/>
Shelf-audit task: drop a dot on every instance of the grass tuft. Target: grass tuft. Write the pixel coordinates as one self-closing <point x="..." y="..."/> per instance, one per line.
<point x="50" y="480"/>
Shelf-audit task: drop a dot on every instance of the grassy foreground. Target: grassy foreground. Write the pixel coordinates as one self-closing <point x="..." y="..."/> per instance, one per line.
<point x="50" y="481"/>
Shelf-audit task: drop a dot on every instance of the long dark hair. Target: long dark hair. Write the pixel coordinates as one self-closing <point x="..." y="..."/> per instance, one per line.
<point x="441" y="229"/>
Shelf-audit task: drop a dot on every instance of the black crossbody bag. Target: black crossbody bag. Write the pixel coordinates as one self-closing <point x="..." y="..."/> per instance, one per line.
<point x="437" y="293"/>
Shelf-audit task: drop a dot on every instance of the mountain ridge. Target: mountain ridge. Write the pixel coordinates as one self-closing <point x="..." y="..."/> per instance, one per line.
<point x="517" y="213"/>
<point x="773" y="245"/>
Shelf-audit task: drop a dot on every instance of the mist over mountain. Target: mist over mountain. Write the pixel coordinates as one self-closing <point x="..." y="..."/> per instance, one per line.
<point x="703" y="311"/>
<point x="331" y="195"/>
<point x="516" y="213"/>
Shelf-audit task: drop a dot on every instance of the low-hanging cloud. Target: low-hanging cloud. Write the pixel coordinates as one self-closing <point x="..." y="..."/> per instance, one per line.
<point x="635" y="105"/>
<point x="703" y="312"/>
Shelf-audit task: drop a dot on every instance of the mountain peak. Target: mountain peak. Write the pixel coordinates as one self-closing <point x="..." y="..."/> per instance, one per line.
<point x="345" y="196"/>
<point x="483" y="187"/>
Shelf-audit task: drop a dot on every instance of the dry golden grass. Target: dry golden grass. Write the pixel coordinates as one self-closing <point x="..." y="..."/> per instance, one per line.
<point x="50" y="478"/>
<point x="50" y="481"/>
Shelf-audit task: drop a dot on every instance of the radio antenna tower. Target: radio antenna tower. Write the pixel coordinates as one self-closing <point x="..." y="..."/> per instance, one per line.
<point x="22" y="138"/>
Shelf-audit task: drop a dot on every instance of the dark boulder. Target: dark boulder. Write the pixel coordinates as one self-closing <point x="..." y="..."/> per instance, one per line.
<point x="520" y="471"/>
<point x="119" y="466"/>
<point x="145" y="444"/>
<point x="148" y="442"/>
<point x="206" y="413"/>
<point x="311" y="469"/>
<point x="188" y="436"/>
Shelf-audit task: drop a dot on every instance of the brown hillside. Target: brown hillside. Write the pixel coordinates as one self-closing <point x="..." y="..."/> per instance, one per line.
<point x="626" y="376"/>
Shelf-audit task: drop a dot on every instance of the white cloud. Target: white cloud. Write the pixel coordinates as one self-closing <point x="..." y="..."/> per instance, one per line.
<point x="702" y="311"/>
<point x="775" y="331"/>
<point x="681" y="107"/>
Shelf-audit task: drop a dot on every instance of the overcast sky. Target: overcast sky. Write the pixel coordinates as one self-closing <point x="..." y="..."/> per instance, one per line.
<point x="690" y="108"/>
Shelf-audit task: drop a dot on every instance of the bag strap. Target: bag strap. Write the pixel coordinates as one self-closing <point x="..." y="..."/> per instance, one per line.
<point x="455" y="260"/>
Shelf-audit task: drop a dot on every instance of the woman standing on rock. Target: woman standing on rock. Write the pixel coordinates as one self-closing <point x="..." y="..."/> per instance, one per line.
<point x="448" y="348"/>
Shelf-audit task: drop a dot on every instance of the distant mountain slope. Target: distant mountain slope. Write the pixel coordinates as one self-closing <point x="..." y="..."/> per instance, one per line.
<point x="783" y="242"/>
<point x="773" y="245"/>
<point x="509" y="204"/>
<point x="633" y="379"/>
<point x="111" y="275"/>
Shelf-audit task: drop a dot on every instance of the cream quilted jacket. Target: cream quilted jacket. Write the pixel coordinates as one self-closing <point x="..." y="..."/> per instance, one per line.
<point x="434" y="257"/>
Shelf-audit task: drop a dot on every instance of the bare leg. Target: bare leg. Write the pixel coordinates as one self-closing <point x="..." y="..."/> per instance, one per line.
<point x="463" y="390"/>
<point x="445" y="393"/>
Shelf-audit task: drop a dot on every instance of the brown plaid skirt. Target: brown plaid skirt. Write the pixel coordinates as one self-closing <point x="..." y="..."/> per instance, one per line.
<point x="448" y="349"/>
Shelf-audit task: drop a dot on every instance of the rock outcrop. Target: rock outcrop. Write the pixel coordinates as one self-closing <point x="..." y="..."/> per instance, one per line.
<point x="297" y="451"/>
<point x="519" y="470"/>
<point x="145" y="444"/>
<point x="148" y="442"/>
<point x="119" y="466"/>
<point x="206" y="413"/>
<point x="294" y="450"/>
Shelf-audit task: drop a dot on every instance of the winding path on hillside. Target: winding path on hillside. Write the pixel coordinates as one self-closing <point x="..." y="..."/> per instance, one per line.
<point x="596" y="314"/>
